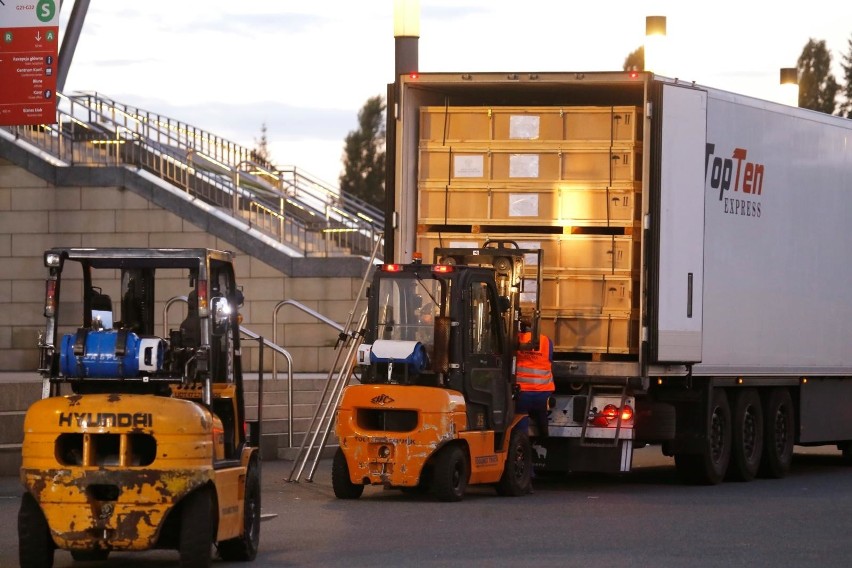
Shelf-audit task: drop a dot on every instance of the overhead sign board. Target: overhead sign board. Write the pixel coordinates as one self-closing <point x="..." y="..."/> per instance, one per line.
<point x="29" y="49"/>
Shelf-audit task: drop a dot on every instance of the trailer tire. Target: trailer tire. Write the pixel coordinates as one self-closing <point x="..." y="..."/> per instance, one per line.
<point x="196" y="529"/>
<point x="746" y="435"/>
<point x="778" y="435"/>
<point x="340" y="481"/>
<point x="244" y="547"/>
<point x="35" y="545"/>
<point x="517" y="471"/>
<point x="450" y="473"/>
<point x="710" y="466"/>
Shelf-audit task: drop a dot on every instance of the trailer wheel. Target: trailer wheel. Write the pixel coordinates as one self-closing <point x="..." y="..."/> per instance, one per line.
<point x="709" y="467"/>
<point x="778" y="436"/>
<point x="747" y="435"/>
<point x="244" y="547"/>
<point x="196" y="529"/>
<point x="89" y="555"/>
<point x="35" y="545"/>
<point x="449" y="479"/>
<point x="340" y="481"/>
<point x="517" y="472"/>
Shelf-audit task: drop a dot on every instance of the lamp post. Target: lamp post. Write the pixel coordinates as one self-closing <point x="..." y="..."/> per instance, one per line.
<point x="655" y="44"/>
<point x="790" y="86"/>
<point x="406" y="33"/>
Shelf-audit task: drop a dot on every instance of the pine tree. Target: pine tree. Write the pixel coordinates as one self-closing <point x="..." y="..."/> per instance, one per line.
<point x="636" y="60"/>
<point x="846" y="107"/>
<point x="260" y="154"/>
<point x="364" y="155"/>
<point x="817" y="86"/>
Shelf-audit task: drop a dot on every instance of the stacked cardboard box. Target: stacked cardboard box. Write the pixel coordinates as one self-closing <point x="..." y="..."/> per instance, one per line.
<point x="564" y="179"/>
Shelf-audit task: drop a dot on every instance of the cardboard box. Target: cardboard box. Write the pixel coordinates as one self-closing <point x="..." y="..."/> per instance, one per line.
<point x="563" y="255"/>
<point x="553" y="124"/>
<point x="589" y="333"/>
<point x="588" y="294"/>
<point x="596" y="164"/>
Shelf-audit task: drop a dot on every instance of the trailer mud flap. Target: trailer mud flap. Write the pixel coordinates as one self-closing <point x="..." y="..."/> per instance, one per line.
<point x="567" y="455"/>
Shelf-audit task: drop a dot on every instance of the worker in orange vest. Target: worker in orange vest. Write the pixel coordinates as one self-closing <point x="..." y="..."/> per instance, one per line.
<point x="534" y="377"/>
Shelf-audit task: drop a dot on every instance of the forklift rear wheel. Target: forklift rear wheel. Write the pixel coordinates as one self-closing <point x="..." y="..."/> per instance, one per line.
<point x="340" y="482"/>
<point x="449" y="479"/>
<point x="35" y="547"/>
<point x="244" y="547"/>
<point x="196" y="530"/>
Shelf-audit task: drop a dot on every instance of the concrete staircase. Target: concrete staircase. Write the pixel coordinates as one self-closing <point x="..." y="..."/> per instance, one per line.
<point x="22" y="389"/>
<point x="275" y="433"/>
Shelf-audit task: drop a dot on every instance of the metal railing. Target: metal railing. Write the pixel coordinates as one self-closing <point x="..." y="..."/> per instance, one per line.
<point x="262" y="342"/>
<point x="285" y="204"/>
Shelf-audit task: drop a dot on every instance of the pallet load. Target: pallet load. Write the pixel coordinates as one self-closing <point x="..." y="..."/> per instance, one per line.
<point x="563" y="179"/>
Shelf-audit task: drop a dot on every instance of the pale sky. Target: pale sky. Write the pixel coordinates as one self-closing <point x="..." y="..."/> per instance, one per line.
<point x="306" y="68"/>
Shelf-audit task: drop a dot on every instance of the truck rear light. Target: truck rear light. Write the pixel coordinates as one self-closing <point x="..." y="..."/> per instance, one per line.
<point x="610" y="414"/>
<point x="442" y="268"/>
<point x="50" y="299"/>
<point x="392" y="267"/>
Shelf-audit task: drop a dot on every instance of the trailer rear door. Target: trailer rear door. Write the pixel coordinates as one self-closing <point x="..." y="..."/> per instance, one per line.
<point x="681" y="224"/>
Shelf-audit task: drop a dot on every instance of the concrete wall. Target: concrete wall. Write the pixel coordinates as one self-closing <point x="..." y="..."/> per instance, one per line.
<point x="36" y="214"/>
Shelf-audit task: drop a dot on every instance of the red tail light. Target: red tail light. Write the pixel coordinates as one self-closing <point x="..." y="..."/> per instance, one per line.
<point x="392" y="267"/>
<point x="610" y="412"/>
<point x="442" y="268"/>
<point x="50" y="299"/>
<point x="202" y="298"/>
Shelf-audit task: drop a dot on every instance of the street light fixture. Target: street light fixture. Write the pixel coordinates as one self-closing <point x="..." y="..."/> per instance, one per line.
<point x="655" y="44"/>
<point x="790" y="86"/>
<point x="406" y="33"/>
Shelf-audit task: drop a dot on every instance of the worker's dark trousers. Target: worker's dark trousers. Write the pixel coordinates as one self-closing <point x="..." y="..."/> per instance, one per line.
<point x="534" y="403"/>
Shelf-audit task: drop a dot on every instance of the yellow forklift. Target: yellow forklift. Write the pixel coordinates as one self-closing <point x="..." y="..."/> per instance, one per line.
<point x="435" y="410"/>
<point x="139" y="441"/>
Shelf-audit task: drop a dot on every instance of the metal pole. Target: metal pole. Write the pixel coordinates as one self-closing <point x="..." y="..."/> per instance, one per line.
<point x="69" y="42"/>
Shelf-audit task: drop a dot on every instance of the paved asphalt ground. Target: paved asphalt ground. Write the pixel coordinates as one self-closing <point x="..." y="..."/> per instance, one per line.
<point x="642" y="519"/>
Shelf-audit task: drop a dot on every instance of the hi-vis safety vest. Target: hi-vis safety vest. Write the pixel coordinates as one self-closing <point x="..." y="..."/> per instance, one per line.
<point x="533" y="367"/>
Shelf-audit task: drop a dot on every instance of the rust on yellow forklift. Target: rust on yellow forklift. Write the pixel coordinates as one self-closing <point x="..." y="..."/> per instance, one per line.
<point x="139" y="440"/>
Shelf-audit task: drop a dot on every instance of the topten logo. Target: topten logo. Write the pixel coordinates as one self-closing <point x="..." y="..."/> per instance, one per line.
<point x="738" y="174"/>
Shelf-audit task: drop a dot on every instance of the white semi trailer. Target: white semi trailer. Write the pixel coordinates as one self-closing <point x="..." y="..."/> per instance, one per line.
<point x="696" y="267"/>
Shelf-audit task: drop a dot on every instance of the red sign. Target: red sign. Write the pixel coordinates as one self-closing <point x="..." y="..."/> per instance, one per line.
<point x="29" y="46"/>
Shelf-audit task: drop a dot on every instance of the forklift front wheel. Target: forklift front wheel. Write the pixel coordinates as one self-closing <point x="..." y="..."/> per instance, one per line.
<point x="517" y="471"/>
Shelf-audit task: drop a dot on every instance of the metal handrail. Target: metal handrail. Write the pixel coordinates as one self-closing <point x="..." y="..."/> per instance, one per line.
<point x="349" y="338"/>
<point x="286" y="354"/>
<point x="252" y="335"/>
<point x="94" y="130"/>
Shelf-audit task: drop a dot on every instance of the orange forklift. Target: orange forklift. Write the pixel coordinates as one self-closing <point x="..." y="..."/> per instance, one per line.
<point x="435" y="410"/>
